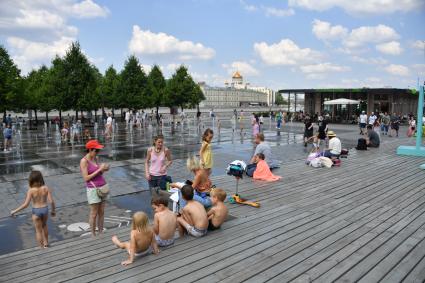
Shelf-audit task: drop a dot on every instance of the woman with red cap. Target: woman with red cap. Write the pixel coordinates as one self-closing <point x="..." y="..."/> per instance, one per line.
<point x="92" y="173"/>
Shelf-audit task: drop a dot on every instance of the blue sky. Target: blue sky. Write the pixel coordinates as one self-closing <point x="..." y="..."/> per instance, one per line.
<point x="278" y="44"/>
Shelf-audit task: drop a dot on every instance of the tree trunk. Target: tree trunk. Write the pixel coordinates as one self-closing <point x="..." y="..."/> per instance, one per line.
<point x="60" y="118"/>
<point x="157" y="115"/>
<point x="113" y="113"/>
<point x="121" y="113"/>
<point x="95" y="115"/>
<point x="36" y="118"/>
<point x="47" y="117"/>
<point x="76" y="115"/>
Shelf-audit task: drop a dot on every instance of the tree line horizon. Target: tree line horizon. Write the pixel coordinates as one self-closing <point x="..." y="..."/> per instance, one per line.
<point x="73" y="83"/>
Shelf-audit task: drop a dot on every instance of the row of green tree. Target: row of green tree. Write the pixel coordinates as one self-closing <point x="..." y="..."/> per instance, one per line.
<point x="73" y="83"/>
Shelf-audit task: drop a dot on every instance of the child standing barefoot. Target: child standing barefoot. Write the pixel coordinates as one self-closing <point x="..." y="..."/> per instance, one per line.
<point x="39" y="194"/>
<point x="142" y="239"/>
<point x="206" y="153"/>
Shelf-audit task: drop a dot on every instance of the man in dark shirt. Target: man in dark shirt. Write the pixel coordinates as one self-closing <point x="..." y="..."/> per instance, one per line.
<point x="372" y="137"/>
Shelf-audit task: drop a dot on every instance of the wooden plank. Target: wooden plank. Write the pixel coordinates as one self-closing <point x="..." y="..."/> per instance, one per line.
<point x="353" y="260"/>
<point x="273" y="261"/>
<point x="144" y="273"/>
<point x="394" y="257"/>
<point x="406" y="264"/>
<point x="379" y="225"/>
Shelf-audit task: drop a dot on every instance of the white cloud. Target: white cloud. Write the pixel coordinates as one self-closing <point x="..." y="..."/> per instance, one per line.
<point x="149" y="43"/>
<point x="325" y="31"/>
<point x="28" y="54"/>
<point x="88" y="9"/>
<point x="397" y="70"/>
<point x="418" y="44"/>
<point x="172" y="67"/>
<point x="146" y="68"/>
<point x="369" y="61"/>
<point x="276" y="12"/>
<point x="370" y="34"/>
<point x="40" y="19"/>
<point x="391" y="48"/>
<point x="360" y="6"/>
<point x="244" y="68"/>
<point x="36" y="31"/>
<point x="285" y="52"/>
<point x="323" y="68"/>
<point x="247" y="6"/>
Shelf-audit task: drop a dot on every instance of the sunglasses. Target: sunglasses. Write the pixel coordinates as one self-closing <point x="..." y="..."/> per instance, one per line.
<point x="95" y="149"/>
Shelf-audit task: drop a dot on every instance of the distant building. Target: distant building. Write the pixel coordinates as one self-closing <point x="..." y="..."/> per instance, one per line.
<point x="391" y="100"/>
<point x="236" y="94"/>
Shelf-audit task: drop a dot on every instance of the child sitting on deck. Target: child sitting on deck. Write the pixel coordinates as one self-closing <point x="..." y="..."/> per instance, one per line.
<point x="39" y="194"/>
<point x="165" y="222"/>
<point x="142" y="239"/>
<point x="218" y="213"/>
<point x="193" y="216"/>
<point x="262" y="172"/>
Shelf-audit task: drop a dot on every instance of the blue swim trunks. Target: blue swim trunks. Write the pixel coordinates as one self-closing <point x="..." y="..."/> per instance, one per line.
<point x="40" y="212"/>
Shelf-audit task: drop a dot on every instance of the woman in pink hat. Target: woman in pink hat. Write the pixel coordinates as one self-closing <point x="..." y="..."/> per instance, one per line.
<point x="96" y="185"/>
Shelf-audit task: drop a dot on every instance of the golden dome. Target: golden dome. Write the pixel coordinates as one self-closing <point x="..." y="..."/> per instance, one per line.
<point x="237" y="75"/>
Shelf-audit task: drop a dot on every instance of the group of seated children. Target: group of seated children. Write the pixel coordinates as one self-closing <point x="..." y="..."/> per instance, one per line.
<point x="192" y="219"/>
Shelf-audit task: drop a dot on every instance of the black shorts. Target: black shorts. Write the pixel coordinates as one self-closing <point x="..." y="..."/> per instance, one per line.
<point x="362" y="125"/>
<point x="308" y="134"/>
<point x="211" y="226"/>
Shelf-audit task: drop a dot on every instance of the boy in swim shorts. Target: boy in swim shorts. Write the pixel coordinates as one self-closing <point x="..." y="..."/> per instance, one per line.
<point x="193" y="218"/>
<point x="164" y="222"/>
<point x="218" y="213"/>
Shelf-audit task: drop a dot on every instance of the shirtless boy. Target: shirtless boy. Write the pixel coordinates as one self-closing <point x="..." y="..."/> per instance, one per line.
<point x="218" y="213"/>
<point x="164" y="222"/>
<point x="193" y="217"/>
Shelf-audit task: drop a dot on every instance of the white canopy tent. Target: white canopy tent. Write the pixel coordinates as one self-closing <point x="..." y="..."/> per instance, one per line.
<point x="341" y="101"/>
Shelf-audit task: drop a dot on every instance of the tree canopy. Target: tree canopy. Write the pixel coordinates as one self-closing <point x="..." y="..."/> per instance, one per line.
<point x="71" y="82"/>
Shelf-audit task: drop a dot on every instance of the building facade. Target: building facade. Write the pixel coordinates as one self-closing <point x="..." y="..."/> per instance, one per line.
<point x="391" y="100"/>
<point x="236" y="94"/>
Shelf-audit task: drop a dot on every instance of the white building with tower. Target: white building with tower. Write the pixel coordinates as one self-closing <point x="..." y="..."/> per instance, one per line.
<point x="237" y="94"/>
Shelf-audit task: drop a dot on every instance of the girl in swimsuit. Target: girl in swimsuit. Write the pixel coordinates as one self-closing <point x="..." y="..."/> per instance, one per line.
<point x="39" y="194"/>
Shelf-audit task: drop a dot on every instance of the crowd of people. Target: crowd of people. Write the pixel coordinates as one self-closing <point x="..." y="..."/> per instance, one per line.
<point x="201" y="206"/>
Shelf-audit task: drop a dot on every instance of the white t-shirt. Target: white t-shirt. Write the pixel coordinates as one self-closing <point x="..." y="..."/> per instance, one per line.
<point x="109" y="121"/>
<point x="363" y="118"/>
<point x="372" y="119"/>
<point x="335" y="145"/>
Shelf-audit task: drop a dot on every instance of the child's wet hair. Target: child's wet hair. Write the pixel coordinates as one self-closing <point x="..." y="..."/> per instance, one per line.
<point x="219" y="193"/>
<point x="140" y="221"/>
<point x="187" y="192"/>
<point x="160" y="200"/>
<point x="261" y="156"/>
<point x="35" y="179"/>
<point x="193" y="163"/>
<point x="157" y="137"/>
<point x="206" y="133"/>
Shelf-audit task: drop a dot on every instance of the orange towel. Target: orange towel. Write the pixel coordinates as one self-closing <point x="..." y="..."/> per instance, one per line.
<point x="263" y="172"/>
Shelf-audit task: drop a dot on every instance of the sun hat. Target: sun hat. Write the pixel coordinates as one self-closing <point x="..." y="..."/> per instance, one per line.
<point x="93" y="144"/>
<point x="331" y="134"/>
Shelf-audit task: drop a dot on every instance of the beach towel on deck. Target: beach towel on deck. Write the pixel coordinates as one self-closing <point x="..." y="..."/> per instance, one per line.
<point x="263" y="172"/>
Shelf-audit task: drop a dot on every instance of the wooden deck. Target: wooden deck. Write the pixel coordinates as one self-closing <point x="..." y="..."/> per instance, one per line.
<point x="363" y="221"/>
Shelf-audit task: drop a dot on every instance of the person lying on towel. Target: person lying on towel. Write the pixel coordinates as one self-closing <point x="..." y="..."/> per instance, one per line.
<point x="262" y="172"/>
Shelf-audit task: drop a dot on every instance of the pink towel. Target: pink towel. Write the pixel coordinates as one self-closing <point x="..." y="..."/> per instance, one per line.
<point x="263" y="172"/>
